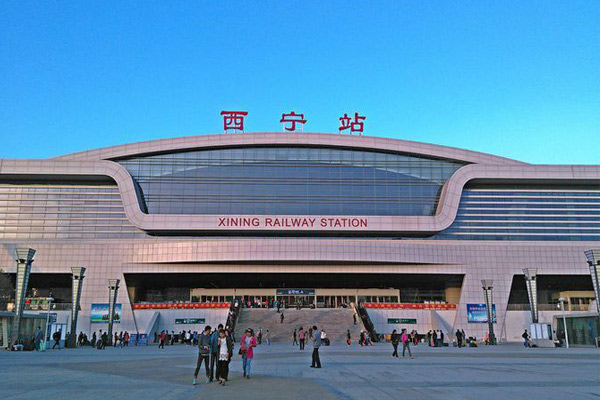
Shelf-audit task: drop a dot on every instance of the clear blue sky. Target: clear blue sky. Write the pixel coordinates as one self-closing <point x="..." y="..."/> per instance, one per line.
<point x="519" y="79"/>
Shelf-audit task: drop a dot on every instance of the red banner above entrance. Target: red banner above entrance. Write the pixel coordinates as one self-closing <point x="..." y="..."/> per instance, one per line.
<point x="411" y="306"/>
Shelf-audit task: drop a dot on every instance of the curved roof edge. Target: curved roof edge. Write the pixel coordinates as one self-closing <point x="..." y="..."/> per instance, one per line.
<point x="297" y="139"/>
<point x="445" y="213"/>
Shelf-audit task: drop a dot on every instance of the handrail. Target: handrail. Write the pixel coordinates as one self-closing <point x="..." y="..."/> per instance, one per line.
<point x="232" y="316"/>
<point x="369" y="326"/>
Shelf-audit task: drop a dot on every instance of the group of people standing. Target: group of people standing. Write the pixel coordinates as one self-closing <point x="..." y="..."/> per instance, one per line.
<point x="215" y="350"/>
<point x="403" y="338"/>
<point x="435" y="338"/>
<point x="461" y="338"/>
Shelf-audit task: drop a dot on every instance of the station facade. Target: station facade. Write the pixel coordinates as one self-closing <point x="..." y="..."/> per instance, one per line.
<point x="314" y="220"/>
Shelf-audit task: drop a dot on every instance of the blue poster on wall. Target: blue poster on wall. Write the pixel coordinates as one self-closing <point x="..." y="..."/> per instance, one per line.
<point x="477" y="313"/>
<point x="99" y="313"/>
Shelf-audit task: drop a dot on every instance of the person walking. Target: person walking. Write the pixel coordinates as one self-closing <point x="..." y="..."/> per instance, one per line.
<point x="268" y="337"/>
<point x="395" y="341"/>
<point x="93" y="342"/>
<point x="248" y="343"/>
<point x="282" y="317"/>
<point x="214" y="353"/>
<point x="316" y="361"/>
<point x="56" y="336"/>
<point x="354" y="318"/>
<point x="163" y="338"/>
<point x="39" y="335"/>
<point x="259" y="336"/>
<point x="405" y="343"/>
<point x="464" y="337"/>
<point x="225" y="344"/>
<point x="204" y="347"/>
<point x="527" y="338"/>
<point x="301" y="336"/>
<point x="348" y="338"/>
<point x="295" y="342"/>
<point x="104" y="340"/>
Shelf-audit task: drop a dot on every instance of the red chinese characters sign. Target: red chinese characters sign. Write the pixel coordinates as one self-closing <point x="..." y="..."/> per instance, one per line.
<point x="292" y="118"/>
<point x="293" y="122"/>
<point x="233" y="120"/>
<point x="355" y="126"/>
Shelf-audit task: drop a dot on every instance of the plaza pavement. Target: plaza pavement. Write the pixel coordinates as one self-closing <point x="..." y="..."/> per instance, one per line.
<point x="282" y="372"/>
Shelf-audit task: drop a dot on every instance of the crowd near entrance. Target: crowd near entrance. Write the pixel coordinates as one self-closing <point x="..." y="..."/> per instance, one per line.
<point x="295" y="298"/>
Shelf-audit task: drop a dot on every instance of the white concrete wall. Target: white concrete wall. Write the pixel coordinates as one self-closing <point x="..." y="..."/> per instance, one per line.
<point x="166" y="318"/>
<point x="379" y="318"/>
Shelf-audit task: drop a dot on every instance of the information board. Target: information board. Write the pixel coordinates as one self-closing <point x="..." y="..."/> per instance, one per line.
<point x="477" y="313"/>
<point x="189" y="321"/>
<point x="402" y="321"/>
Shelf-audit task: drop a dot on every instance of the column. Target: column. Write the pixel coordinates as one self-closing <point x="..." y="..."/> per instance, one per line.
<point x="531" y="283"/>
<point x="593" y="259"/>
<point x="113" y="290"/>
<point x="24" y="258"/>
<point x="76" y="284"/>
<point x="487" y="285"/>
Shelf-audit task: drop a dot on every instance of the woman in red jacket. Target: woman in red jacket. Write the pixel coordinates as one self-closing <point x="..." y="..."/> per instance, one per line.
<point x="248" y="343"/>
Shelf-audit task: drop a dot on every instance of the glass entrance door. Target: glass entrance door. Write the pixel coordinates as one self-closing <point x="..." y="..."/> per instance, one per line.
<point x="297" y="301"/>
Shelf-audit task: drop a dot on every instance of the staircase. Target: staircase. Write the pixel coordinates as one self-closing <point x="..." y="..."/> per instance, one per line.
<point x="335" y="321"/>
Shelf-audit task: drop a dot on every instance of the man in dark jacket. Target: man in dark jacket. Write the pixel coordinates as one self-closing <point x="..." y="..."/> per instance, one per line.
<point x="316" y="361"/>
<point x="395" y="341"/>
<point x="214" y="353"/>
<point x="204" y="349"/>
<point x="56" y="336"/>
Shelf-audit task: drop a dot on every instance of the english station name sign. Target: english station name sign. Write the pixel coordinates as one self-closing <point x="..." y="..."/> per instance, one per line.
<point x="293" y="222"/>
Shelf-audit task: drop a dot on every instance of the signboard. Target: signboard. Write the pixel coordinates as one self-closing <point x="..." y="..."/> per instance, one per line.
<point x="189" y="320"/>
<point x="293" y="222"/>
<point x="140" y="340"/>
<point x="402" y="320"/>
<point x="295" y="292"/>
<point x="477" y="313"/>
<point x="99" y="313"/>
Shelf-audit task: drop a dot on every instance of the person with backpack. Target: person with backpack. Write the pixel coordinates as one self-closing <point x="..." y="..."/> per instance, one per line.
<point x="527" y="338"/>
<point x="204" y="348"/>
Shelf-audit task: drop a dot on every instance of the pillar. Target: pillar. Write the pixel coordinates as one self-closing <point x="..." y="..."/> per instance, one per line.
<point x="78" y="274"/>
<point x="531" y="283"/>
<point x="487" y="285"/>
<point x="23" y="258"/>
<point x="593" y="258"/>
<point x="113" y="290"/>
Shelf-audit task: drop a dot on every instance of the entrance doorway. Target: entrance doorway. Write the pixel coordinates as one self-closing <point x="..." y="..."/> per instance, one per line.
<point x="297" y="301"/>
<point x="296" y="298"/>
